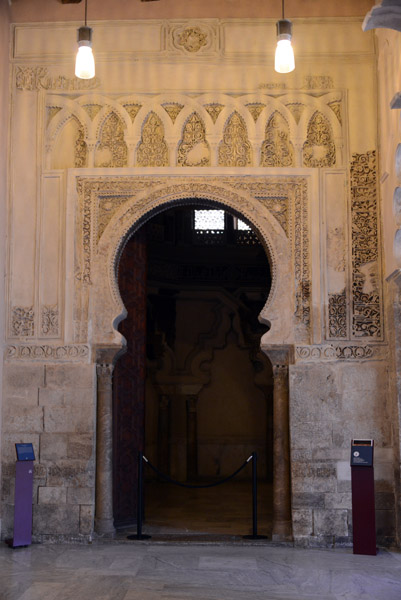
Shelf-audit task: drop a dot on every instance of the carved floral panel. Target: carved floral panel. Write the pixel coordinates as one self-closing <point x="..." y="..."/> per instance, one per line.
<point x="366" y="272"/>
<point x="152" y="150"/>
<point x="277" y="149"/>
<point x="194" y="150"/>
<point x="235" y="149"/>
<point x="112" y="150"/>
<point x="319" y="149"/>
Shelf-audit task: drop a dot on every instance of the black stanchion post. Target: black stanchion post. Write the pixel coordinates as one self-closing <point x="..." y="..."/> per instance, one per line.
<point x="254" y="495"/>
<point x="139" y="515"/>
<point x="255" y="535"/>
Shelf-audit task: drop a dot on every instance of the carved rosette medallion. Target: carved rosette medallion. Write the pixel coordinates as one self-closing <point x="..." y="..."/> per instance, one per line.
<point x="366" y="273"/>
<point x="22" y="321"/>
<point x="194" y="150"/>
<point x="235" y="149"/>
<point x="152" y="150"/>
<point x="192" y="39"/>
<point x="277" y="149"/>
<point x="319" y="149"/>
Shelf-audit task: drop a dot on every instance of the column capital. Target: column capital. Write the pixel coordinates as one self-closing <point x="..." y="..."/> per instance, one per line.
<point x="108" y="355"/>
<point x="280" y="356"/>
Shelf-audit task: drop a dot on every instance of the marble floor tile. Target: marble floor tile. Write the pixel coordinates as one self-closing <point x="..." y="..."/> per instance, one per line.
<point x="125" y="571"/>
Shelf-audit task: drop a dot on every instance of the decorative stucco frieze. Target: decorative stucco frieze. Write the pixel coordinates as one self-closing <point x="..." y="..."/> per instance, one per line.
<point x="338" y="315"/>
<point x="367" y="309"/>
<point x="340" y="352"/>
<point x="22" y="321"/>
<point x="320" y="82"/>
<point x="38" y="78"/>
<point x="50" y="320"/>
<point x="109" y="129"/>
<point x="47" y="352"/>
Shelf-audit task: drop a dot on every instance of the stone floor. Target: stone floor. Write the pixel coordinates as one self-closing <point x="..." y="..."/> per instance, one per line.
<point x="150" y="571"/>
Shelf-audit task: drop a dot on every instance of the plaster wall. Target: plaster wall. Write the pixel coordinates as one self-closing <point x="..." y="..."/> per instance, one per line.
<point x="77" y="192"/>
<point x="25" y="11"/>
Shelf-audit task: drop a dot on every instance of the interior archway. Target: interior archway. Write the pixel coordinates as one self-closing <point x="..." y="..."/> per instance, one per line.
<point x="205" y="288"/>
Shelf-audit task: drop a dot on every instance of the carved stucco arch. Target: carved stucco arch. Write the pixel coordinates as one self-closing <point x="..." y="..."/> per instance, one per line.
<point x="106" y="306"/>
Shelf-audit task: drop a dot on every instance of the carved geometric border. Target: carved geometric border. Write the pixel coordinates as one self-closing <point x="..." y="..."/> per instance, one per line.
<point x="46" y="352"/>
<point x="286" y="198"/>
<point x="346" y="351"/>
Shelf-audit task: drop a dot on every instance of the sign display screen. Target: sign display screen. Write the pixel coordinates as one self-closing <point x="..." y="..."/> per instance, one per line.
<point x="362" y="453"/>
<point x="25" y="452"/>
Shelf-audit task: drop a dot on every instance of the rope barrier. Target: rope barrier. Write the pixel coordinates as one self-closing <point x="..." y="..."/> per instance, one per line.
<point x="188" y="485"/>
<point x="140" y="507"/>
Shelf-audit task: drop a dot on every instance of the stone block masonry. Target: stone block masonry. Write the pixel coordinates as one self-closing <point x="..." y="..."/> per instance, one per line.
<point x="52" y="406"/>
<point x="329" y="406"/>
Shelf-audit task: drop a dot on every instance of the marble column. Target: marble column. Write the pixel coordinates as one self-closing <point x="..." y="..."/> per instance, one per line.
<point x="163" y="451"/>
<point x="192" y="437"/>
<point x="104" y="451"/>
<point x="282" y="526"/>
<point x="282" y="521"/>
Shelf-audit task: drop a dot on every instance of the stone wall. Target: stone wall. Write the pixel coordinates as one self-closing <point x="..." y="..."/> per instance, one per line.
<point x="52" y="406"/>
<point x="329" y="407"/>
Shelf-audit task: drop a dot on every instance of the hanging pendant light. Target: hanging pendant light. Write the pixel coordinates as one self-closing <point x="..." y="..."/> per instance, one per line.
<point x="284" y="58"/>
<point x="84" y="62"/>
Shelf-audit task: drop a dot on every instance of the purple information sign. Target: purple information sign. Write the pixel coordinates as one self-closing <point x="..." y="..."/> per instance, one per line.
<point x="23" y="503"/>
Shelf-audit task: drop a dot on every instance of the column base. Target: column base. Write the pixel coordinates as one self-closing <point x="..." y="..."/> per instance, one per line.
<point x="105" y="527"/>
<point x="282" y="531"/>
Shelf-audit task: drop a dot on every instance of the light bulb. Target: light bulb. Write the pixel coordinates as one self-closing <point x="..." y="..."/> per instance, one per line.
<point x="284" y="58"/>
<point x="85" y="63"/>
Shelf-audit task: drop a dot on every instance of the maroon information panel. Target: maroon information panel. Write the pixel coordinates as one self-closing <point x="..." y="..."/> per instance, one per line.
<point x="363" y="497"/>
<point x="23" y="496"/>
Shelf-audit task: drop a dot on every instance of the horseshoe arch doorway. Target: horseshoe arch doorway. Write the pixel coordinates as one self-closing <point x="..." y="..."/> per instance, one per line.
<point x="193" y="391"/>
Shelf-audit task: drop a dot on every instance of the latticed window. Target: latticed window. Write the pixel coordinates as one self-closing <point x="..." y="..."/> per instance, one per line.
<point x="209" y="220"/>
<point x="214" y="220"/>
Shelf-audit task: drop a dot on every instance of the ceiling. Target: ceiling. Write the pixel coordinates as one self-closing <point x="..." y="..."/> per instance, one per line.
<point x="73" y="10"/>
